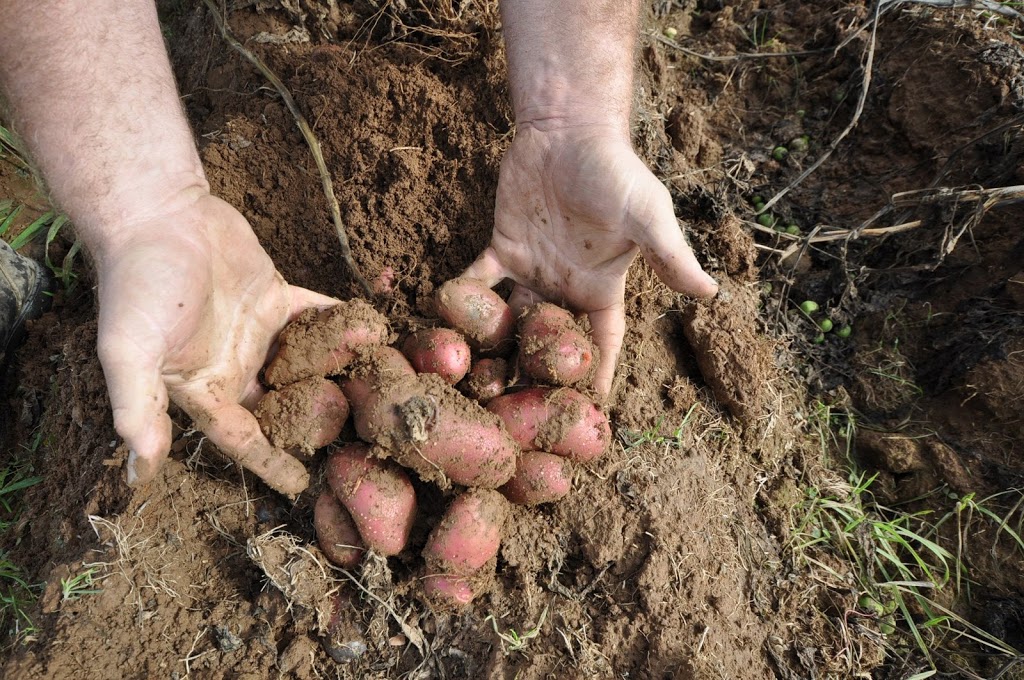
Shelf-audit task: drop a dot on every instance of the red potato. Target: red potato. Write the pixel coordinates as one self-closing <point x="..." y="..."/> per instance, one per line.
<point x="553" y="349"/>
<point x="476" y="311"/>
<point x="560" y="421"/>
<point x="305" y="415"/>
<point x="441" y="351"/>
<point x="336" y="532"/>
<point x="323" y="342"/>
<point x="486" y="380"/>
<point x="424" y="424"/>
<point x="377" y="494"/>
<point x="540" y="478"/>
<point x="467" y="538"/>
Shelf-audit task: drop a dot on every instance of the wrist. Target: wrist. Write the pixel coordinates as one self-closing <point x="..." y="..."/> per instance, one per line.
<point x="149" y="215"/>
<point x="551" y="101"/>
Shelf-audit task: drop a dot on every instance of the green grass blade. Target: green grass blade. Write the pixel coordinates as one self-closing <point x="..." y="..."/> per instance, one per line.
<point x="31" y="230"/>
<point x="9" y="219"/>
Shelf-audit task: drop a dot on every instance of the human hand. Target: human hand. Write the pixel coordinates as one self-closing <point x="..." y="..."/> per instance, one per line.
<point x="574" y="206"/>
<point x="190" y="306"/>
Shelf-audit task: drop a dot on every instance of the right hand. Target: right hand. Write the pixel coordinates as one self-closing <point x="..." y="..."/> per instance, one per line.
<point x="190" y="307"/>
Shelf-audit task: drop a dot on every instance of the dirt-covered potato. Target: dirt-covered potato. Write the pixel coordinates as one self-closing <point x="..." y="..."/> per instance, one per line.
<point x="466" y="539"/>
<point x="560" y="421"/>
<point x="553" y="349"/>
<point x="336" y="532"/>
<point x="476" y="311"/>
<point x="303" y="416"/>
<point x="377" y="494"/>
<point x="440" y="351"/>
<point x="540" y="478"/>
<point x="323" y="342"/>
<point x="486" y="380"/>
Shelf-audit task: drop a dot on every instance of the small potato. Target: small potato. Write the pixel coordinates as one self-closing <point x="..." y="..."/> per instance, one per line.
<point x="553" y="349"/>
<point x="560" y="421"/>
<point x="378" y="495"/>
<point x="375" y="368"/>
<point x="486" y="380"/>
<point x="426" y="425"/>
<point x="305" y="415"/>
<point x="540" y="478"/>
<point x="467" y="538"/>
<point x="440" y="351"/>
<point x="336" y="532"/>
<point x="476" y="311"/>
<point x="323" y="342"/>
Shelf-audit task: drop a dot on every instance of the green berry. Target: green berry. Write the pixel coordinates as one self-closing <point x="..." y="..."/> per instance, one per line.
<point x="758" y="198"/>
<point x="800" y="144"/>
<point x="825" y="325"/>
<point x="819" y="338"/>
<point x="887" y="626"/>
<point x="793" y="230"/>
<point x="766" y="220"/>
<point x="808" y="306"/>
<point x="870" y="605"/>
<point x="780" y="153"/>
<point x="844" y="332"/>
<point x="671" y="32"/>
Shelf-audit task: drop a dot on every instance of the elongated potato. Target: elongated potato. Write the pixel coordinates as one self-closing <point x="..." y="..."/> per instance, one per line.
<point x="476" y="311"/>
<point x="321" y="343"/>
<point x="426" y="425"/>
<point x="560" y="421"/>
<point x="540" y="478"/>
<point x="553" y="349"/>
<point x="486" y="380"/>
<point x="336" y="532"/>
<point x="467" y="538"/>
<point x="440" y="351"/>
<point x="305" y="415"/>
<point x="376" y="493"/>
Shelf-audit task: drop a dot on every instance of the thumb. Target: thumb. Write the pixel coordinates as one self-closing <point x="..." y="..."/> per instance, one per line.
<point x="303" y="298"/>
<point x="138" y="399"/>
<point x="608" y="327"/>
<point x="663" y="245"/>
<point x="487" y="268"/>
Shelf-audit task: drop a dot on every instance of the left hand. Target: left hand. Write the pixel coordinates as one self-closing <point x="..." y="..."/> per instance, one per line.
<point x="574" y="206"/>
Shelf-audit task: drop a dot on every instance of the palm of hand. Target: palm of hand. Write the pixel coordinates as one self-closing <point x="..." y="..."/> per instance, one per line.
<point x="572" y="210"/>
<point x="190" y="314"/>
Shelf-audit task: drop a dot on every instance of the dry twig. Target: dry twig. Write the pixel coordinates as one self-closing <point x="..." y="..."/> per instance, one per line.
<point x="307" y="134"/>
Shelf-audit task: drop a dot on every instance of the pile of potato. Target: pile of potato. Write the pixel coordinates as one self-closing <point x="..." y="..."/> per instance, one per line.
<point x="439" y="408"/>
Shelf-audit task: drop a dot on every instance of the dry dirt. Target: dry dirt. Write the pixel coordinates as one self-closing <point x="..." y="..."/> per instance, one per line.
<point x="673" y="557"/>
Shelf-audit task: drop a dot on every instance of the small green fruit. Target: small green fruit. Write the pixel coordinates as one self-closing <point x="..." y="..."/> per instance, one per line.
<point x="808" y="306"/>
<point x="870" y="605"/>
<point x="780" y="153"/>
<point x="671" y="32"/>
<point x="758" y="198"/>
<point x="819" y="338"/>
<point x="793" y="230"/>
<point x="766" y="220"/>
<point x="844" y="332"/>
<point x="825" y="325"/>
<point x="800" y="144"/>
<point x="887" y="626"/>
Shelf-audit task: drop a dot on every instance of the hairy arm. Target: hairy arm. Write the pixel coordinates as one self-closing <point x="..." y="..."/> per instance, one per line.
<point x="574" y="203"/>
<point x="190" y="304"/>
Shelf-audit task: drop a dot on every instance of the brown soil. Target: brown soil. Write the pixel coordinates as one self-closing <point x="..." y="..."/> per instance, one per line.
<point x="672" y="557"/>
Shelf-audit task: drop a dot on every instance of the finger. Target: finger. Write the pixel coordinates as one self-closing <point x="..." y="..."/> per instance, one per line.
<point x="608" y="328"/>
<point x="236" y="433"/>
<point x="487" y="268"/>
<point x="138" y="400"/>
<point x="663" y="245"/>
<point x="302" y="299"/>
<point x="252" y="395"/>
<point x="521" y="298"/>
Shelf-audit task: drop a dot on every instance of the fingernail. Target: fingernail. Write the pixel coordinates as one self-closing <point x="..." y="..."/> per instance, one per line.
<point x="133" y="476"/>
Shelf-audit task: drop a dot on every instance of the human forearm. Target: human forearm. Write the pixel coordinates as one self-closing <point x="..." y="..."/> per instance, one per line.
<point x="571" y="63"/>
<point x="93" y="96"/>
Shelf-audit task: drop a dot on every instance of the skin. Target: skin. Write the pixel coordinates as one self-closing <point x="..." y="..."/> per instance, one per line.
<point x="190" y="303"/>
<point x="574" y="203"/>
